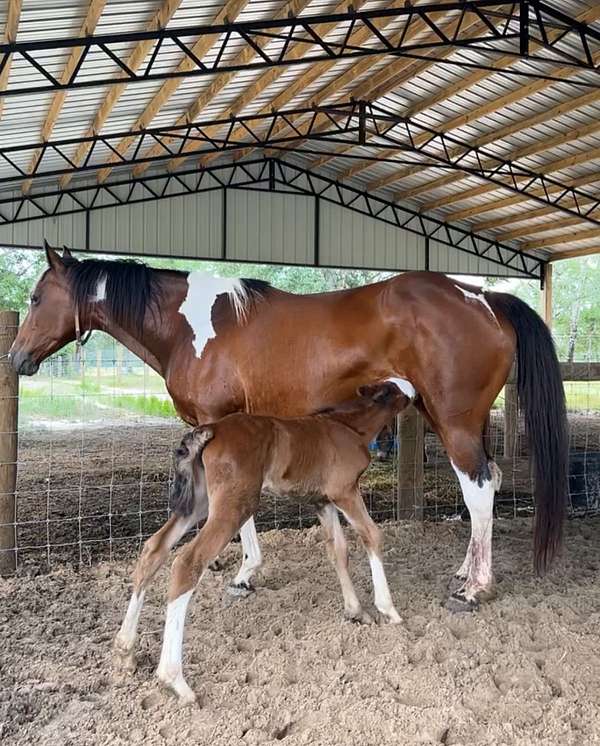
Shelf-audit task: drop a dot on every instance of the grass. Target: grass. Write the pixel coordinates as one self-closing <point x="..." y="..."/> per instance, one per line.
<point x="96" y="397"/>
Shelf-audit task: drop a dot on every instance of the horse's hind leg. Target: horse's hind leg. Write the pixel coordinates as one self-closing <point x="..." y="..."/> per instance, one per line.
<point x="188" y="567"/>
<point x="479" y="479"/>
<point x="352" y="506"/>
<point x="337" y="551"/>
<point x="155" y="552"/>
<point x="252" y="560"/>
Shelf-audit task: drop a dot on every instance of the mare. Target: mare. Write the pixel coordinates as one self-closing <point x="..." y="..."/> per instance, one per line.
<point x="217" y="341"/>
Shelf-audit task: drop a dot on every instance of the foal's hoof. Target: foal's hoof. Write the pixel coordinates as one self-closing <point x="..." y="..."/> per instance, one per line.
<point x="358" y="617"/>
<point x="124" y="658"/>
<point x="458" y="603"/>
<point x="240" y="590"/>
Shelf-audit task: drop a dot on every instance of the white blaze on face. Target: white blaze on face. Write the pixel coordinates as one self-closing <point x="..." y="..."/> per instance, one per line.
<point x="480" y="297"/>
<point x="405" y="386"/>
<point x="203" y="290"/>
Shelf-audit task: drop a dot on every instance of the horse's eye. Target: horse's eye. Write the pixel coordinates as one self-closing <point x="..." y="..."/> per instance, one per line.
<point x="35" y="299"/>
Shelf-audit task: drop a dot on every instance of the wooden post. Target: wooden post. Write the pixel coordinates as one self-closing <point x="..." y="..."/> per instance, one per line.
<point x="511" y="414"/>
<point x="9" y="398"/>
<point x="410" y="465"/>
<point x="547" y="296"/>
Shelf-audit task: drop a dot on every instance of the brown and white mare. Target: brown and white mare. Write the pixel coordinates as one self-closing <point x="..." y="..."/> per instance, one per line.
<point x="226" y="346"/>
<point x="221" y="469"/>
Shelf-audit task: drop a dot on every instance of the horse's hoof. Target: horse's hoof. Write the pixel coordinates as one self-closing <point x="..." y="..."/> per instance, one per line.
<point x="124" y="659"/>
<point x="456" y="582"/>
<point x="179" y="688"/>
<point x="458" y="603"/>
<point x="358" y="617"/>
<point x="240" y="590"/>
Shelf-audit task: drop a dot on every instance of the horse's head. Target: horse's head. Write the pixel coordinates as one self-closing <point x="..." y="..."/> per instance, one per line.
<point x="50" y="320"/>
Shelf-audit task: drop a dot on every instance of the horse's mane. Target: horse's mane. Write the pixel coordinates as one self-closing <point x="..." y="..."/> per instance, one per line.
<point x="132" y="288"/>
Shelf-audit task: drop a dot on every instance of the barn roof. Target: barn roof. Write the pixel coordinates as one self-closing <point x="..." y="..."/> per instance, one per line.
<point x="481" y="116"/>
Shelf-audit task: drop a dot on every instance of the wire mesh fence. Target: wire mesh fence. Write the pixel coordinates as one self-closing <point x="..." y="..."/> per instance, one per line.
<point x="95" y="437"/>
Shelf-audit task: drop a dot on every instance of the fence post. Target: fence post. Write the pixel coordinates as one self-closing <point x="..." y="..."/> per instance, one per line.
<point x="9" y="398"/>
<point x="410" y="465"/>
<point x="511" y="414"/>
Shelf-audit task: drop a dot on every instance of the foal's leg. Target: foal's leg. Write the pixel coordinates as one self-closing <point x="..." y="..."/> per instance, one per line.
<point x="155" y="552"/>
<point x="241" y="584"/>
<point x="337" y="551"/>
<point x="353" y="507"/>
<point x="188" y="567"/>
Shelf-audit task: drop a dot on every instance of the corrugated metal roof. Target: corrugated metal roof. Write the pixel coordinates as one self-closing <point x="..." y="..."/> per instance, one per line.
<point x="438" y="94"/>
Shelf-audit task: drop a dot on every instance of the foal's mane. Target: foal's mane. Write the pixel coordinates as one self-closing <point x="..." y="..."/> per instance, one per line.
<point x="131" y="288"/>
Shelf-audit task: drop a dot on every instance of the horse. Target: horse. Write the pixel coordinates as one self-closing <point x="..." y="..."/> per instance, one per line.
<point x="217" y="341"/>
<point x="220" y="470"/>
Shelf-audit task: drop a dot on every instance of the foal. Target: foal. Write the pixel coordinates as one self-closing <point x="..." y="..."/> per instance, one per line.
<point x="316" y="459"/>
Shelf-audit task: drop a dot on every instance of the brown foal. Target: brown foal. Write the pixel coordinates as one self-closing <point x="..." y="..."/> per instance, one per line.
<point x="221" y="469"/>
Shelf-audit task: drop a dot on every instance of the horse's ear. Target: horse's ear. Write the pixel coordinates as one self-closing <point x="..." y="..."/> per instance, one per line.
<point x="53" y="257"/>
<point x="67" y="257"/>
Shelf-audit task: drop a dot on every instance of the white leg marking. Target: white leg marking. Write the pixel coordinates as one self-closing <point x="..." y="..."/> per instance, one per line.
<point x="126" y="636"/>
<point x="463" y="570"/>
<point x="170" y="669"/>
<point x="331" y="520"/>
<point x="383" y="597"/>
<point x="480" y="502"/>
<point x="203" y="290"/>
<point x="405" y="386"/>
<point x="252" y="555"/>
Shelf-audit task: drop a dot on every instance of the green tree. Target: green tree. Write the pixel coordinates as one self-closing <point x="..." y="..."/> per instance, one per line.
<point x="19" y="270"/>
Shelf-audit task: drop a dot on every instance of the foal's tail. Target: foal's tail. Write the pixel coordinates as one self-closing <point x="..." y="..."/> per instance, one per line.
<point x="542" y="399"/>
<point x="189" y="483"/>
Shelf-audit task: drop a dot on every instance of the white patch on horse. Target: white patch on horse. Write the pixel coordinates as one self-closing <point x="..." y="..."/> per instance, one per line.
<point x="480" y="297"/>
<point x="480" y="503"/>
<point x="405" y="386"/>
<point x="100" y="290"/>
<point x="383" y="598"/>
<point x="170" y="670"/>
<point x="203" y="290"/>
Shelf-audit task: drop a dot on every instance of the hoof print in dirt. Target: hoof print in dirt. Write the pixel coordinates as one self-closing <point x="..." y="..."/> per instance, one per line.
<point x="460" y="604"/>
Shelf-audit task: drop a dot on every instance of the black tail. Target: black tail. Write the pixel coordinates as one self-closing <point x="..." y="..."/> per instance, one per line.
<point x="189" y="482"/>
<point x="542" y="399"/>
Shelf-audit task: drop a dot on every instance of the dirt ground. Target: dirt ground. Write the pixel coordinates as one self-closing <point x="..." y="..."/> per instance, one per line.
<point x="282" y="666"/>
<point x="90" y="493"/>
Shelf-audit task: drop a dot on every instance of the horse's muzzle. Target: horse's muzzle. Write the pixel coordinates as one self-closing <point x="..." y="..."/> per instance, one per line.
<point x="23" y="363"/>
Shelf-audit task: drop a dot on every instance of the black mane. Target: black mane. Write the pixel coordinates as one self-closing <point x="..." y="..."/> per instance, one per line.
<point x="132" y="288"/>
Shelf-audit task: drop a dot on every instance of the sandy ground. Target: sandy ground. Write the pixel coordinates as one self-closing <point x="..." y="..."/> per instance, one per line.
<point x="283" y="666"/>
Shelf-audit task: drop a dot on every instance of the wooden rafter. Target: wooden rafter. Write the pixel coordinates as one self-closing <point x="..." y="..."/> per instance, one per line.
<point x="371" y="88"/>
<point x="556" y="256"/>
<point x="159" y="20"/>
<point x="498" y="222"/>
<point x="489" y="107"/>
<point x="88" y="26"/>
<point x="535" y="148"/>
<point x="267" y="79"/>
<point x="561" y="238"/>
<point x="230" y="10"/>
<point x="532" y="229"/>
<point x="291" y="8"/>
<point x="567" y="162"/>
<point x="10" y="35"/>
